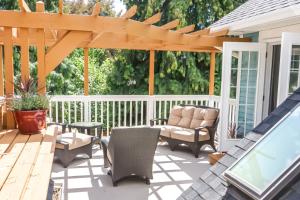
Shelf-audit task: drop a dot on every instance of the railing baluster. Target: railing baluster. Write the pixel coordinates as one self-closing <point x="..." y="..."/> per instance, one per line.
<point x="96" y="111"/>
<point x="136" y="113"/>
<point x="75" y="105"/>
<point x="69" y="111"/>
<point x="63" y="111"/>
<point x="119" y="114"/>
<point x="125" y="113"/>
<point x="107" y="117"/>
<point x="56" y="112"/>
<point x="130" y="113"/>
<point x="142" y="112"/>
<point x="50" y="112"/>
<point x="114" y="118"/>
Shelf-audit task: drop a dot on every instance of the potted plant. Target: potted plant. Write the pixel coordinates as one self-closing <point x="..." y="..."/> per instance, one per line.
<point x="29" y="109"/>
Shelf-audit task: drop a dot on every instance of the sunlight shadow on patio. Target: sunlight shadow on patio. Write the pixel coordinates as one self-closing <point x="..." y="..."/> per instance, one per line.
<point x="173" y="172"/>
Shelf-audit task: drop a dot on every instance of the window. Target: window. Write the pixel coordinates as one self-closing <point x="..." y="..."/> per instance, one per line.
<point x="270" y="161"/>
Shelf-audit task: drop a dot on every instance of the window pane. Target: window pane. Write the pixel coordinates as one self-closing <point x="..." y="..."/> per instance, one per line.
<point x="294" y="71"/>
<point x="271" y="156"/>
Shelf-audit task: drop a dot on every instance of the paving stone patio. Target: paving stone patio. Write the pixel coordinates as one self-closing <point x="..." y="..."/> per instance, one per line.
<point x="173" y="173"/>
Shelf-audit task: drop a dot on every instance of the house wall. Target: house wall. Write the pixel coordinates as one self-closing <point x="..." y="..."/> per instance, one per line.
<point x="274" y="34"/>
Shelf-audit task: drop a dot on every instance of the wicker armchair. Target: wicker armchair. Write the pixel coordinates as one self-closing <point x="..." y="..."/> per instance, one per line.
<point x="130" y="151"/>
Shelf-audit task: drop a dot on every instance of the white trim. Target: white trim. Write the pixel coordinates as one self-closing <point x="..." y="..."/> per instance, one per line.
<point x="288" y="40"/>
<point x="276" y="16"/>
<point x="228" y="48"/>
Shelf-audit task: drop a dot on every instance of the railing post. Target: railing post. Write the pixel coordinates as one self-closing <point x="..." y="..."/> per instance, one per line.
<point x="150" y="109"/>
<point x="211" y="101"/>
<point x="87" y="112"/>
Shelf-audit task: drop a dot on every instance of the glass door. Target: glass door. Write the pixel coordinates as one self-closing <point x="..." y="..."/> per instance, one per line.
<point x="289" y="76"/>
<point x="242" y="88"/>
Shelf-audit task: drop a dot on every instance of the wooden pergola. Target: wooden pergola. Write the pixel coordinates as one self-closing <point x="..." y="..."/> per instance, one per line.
<point x="56" y="35"/>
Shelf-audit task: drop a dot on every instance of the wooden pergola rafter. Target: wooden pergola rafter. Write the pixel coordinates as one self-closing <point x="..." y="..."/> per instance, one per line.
<point x="56" y="35"/>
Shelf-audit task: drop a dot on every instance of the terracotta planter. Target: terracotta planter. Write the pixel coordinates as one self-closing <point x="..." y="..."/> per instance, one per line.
<point x="31" y="122"/>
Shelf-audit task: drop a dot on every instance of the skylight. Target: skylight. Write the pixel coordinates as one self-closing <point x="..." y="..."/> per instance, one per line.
<point x="270" y="161"/>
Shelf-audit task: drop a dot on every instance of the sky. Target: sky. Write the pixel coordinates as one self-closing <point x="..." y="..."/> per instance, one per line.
<point x="119" y="6"/>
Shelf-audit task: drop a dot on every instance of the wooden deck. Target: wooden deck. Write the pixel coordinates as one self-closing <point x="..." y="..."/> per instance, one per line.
<point x="25" y="164"/>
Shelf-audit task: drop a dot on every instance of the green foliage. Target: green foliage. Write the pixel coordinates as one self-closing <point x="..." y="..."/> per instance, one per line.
<point x="30" y="102"/>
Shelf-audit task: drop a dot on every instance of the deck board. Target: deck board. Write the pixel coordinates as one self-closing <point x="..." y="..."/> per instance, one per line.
<point x="8" y="161"/>
<point x="7" y="136"/>
<point x="25" y="167"/>
<point x="40" y="176"/>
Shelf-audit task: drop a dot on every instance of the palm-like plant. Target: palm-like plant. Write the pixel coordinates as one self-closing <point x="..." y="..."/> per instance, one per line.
<point x="29" y="100"/>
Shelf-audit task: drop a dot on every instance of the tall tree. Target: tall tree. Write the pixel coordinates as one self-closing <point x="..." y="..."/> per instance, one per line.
<point x="175" y="72"/>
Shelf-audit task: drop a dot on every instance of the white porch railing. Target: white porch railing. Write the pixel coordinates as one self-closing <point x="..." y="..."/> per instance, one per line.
<point x="122" y="110"/>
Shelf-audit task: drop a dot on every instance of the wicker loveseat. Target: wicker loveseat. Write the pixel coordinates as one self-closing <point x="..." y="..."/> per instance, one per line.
<point x="190" y="125"/>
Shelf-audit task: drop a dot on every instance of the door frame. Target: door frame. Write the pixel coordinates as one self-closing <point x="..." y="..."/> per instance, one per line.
<point x="267" y="78"/>
<point x="288" y="40"/>
<point x="228" y="48"/>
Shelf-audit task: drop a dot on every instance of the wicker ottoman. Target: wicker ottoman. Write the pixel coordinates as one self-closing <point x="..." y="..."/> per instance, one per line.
<point x="69" y="145"/>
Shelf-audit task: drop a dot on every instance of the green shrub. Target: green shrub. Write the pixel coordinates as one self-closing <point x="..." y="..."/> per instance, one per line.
<point x="30" y="102"/>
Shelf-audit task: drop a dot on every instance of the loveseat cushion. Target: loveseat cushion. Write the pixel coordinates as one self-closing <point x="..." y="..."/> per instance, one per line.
<point x="188" y="135"/>
<point x="175" y="115"/>
<point x="187" y="116"/>
<point x="203" y="117"/>
<point x="165" y="130"/>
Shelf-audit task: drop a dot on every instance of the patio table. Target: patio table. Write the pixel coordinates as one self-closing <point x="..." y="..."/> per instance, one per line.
<point x="88" y="126"/>
<point x="26" y="163"/>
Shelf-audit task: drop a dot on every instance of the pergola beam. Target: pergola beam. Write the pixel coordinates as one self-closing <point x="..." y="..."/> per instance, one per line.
<point x="223" y="32"/>
<point x="63" y="48"/>
<point x="186" y="29"/>
<point x="171" y="25"/>
<point x="96" y="9"/>
<point x="23" y="6"/>
<point x="201" y="32"/>
<point x="154" y="19"/>
<point x="54" y="21"/>
<point x="130" y="12"/>
<point x="25" y="70"/>
<point x="60" y="6"/>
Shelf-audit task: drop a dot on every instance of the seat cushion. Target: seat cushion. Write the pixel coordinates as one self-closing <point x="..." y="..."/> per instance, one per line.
<point x="188" y="135"/>
<point x="203" y="117"/>
<point x="187" y="116"/>
<point x="175" y="115"/>
<point x="75" y="140"/>
<point x="165" y="130"/>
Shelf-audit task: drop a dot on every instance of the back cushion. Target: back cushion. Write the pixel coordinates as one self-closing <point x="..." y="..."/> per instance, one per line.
<point x="175" y="115"/>
<point x="187" y="116"/>
<point x="203" y="117"/>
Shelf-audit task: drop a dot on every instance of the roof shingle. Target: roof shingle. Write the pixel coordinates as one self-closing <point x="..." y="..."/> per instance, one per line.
<point x="253" y="8"/>
<point x="212" y="184"/>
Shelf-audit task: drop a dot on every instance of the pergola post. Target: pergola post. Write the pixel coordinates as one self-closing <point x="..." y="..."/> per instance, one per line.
<point x="41" y="54"/>
<point x="86" y="71"/>
<point x="25" y="71"/>
<point x="9" y="74"/>
<point x="1" y="72"/>
<point x="212" y="73"/>
<point x="151" y="72"/>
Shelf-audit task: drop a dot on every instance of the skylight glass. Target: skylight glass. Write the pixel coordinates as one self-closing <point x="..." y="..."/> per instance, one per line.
<point x="265" y="163"/>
